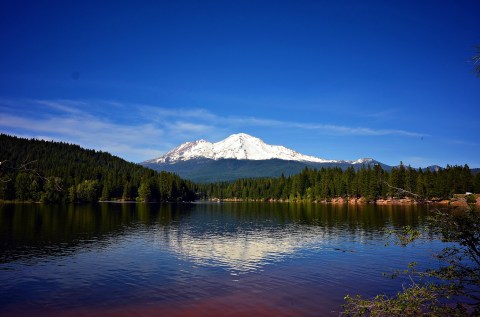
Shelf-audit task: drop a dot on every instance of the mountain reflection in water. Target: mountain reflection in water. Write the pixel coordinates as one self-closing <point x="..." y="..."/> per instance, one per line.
<point x="242" y="251"/>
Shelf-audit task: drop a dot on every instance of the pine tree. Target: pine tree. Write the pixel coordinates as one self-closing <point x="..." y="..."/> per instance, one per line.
<point x="105" y="193"/>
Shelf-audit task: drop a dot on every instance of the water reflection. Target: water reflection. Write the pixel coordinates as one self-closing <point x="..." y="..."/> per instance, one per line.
<point x="235" y="235"/>
<point x="245" y="237"/>
<point x="112" y="257"/>
<point x="242" y="251"/>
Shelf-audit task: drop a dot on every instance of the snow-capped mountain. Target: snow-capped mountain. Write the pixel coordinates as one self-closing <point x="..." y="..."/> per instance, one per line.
<point x="240" y="146"/>
<point x="241" y="156"/>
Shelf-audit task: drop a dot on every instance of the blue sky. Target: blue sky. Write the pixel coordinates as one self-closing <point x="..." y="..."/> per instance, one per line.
<point x="390" y="80"/>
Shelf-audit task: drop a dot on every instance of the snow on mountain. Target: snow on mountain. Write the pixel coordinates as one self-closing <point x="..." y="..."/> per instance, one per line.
<point x="240" y="146"/>
<point x="362" y="161"/>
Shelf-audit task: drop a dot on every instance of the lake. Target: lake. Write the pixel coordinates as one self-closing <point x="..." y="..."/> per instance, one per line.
<point x="200" y="259"/>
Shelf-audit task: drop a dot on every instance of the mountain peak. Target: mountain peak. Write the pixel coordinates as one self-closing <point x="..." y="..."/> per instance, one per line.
<point x="241" y="135"/>
<point x="241" y="138"/>
<point x="240" y="146"/>
<point x="364" y="160"/>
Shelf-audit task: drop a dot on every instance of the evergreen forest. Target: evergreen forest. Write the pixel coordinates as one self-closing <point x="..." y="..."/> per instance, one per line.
<point x="53" y="172"/>
<point x="370" y="183"/>
<point x="36" y="170"/>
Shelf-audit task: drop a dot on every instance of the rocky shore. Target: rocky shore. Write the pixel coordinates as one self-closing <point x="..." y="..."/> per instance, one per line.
<point x="456" y="200"/>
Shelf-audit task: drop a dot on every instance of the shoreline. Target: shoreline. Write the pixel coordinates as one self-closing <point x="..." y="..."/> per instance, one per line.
<point x="457" y="201"/>
<point x="453" y="202"/>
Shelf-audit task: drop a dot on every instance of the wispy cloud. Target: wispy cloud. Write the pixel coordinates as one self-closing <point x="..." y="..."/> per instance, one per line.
<point x="65" y="106"/>
<point x="383" y="114"/>
<point x="142" y="132"/>
<point x="238" y="121"/>
<point x="344" y="130"/>
<point x="158" y="113"/>
<point x="462" y="142"/>
<point x="73" y="125"/>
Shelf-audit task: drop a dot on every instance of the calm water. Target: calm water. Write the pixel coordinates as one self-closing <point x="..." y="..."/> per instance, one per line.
<point x="200" y="259"/>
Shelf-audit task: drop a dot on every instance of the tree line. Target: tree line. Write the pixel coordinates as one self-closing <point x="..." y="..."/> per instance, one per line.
<point x="369" y="182"/>
<point x="36" y="170"/>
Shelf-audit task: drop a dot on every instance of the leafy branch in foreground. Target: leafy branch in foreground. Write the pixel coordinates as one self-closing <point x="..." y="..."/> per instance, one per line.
<point x="453" y="289"/>
<point x="405" y="236"/>
<point x="415" y="300"/>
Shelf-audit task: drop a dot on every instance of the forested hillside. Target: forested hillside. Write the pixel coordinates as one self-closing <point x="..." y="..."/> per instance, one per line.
<point x="370" y="183"/>
<point x="35" y="170"/>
